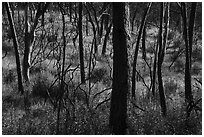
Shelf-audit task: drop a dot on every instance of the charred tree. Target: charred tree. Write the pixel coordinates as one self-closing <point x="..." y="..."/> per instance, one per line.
<point x="162" y="39"/>
<point x="29" y="37"/>
<point x="16" y="45"/>
<point x="106" y="39"/>
<point x="81" y="50"/>
<point x="137" y="49"/>
<point x="118" y="110"/>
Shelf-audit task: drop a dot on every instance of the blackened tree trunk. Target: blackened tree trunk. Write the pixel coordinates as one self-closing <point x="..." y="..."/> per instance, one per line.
<point x="81" y="54"/>
<point x="118" y="110"/>
<point x="143" y="43"/>
<point x="70" y="11"/>
<point x="154" y="70"/>
<point x="29" y="37"/>
<point x="106" y="39"/>
<point x="93" y="28"/>
<point x="15" y="44"/>
<point x="137" y="49"/>
<point x="191" y="27"/>
<point x="188" y="92"/>
<point x="162" y="38"/>
<point x="188" y="38"/>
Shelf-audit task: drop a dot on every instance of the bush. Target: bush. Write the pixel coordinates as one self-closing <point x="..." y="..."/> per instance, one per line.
<point x="179" y="65"/>
<point x="9" y="76"/>
<point x="98" y="75"/>
<point x="170" y="86"/>
<point x="197" y="53"/>
<point x="41" y="85"/>
<point x="196" y="68"/>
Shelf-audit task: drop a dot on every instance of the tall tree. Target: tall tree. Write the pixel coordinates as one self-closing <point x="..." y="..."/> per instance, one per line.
<point x="162" y="39"/>
<point x="137" y="49"/>
<point x="191" y="27"/>
<point x="81" y="54"/>
<point x="188" y="92"/>
<point x="16" y="45"/>
<point x="188" y="38"/>
<point x="29" y="37"/>
<point x="118" y="110"/>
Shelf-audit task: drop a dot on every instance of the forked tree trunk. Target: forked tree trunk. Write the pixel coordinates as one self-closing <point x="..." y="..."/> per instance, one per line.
<point x="118" y="110"/>
<point x="29" y="38"/>
<point x="16" y="45"/>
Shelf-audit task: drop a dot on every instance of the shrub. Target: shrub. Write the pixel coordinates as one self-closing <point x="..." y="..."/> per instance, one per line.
<point x="41" y="85"/>
<point x="170" y="86"/>
<point x="196" y="68"/>
<point x="98" y="75"/>
<point x="179" y="65"/>
<point x="9" y="75"/>
<point x="197" y="53"/>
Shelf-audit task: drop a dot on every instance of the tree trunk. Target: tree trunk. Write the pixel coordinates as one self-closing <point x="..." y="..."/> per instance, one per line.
<point x="118" y="110"/>
<point x="29" y="37"/>
<point x="87" y="26"/>
<point x="154" y="70"/>
<point x="164" y="16"/>
<point x="28" y="40"/>
<point x="81" y="54"/>
<point x="70" y="11"/>
<point x="15" y="44"/>
<point x="190" y="28"/>
<point x="188" y="92"/>
<point x="106" y="39"/>
<point x="143" y="43"/>
<point x="94" y="31"/>
<point x="137" y="49"/>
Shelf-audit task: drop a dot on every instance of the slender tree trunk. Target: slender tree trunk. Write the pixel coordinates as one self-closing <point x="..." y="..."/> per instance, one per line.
<point x="62" y="77"/>
<point x="94" y="31"/>
<point x="28" y="45"/>
<point x="29" y="38"/>
<point x="16" y="45"/>
<point x="137" y="49"/>
<point x="87" y="25"/>
<point x="190" y="28"/>
<point x="81" y="54"/>
<point x="106" y="39"/>
<point x="154" y="70"/>
<point x="162" y="43"/>
<point x="101" y="26"/>
<point x="118" y="110"/>
<point x="70" y="11"/>
<point x="143" y="42"/>
<point x="188" y="92"/>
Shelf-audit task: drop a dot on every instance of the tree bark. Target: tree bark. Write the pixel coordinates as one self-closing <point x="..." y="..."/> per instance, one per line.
<point x="162" y="38"/>
<point x="188" y="92"/>
<point x="16" y="45"/>
<point x="106" y="39"/>
<point x="70" y="11"/>
<point x="29" y="38"/>
<point x="143" y="43"/>
<point x="137" y="49"/>
<point x="118" y="110"/>
<point x="190" y="28"/>
<point x="81" y="52"/>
